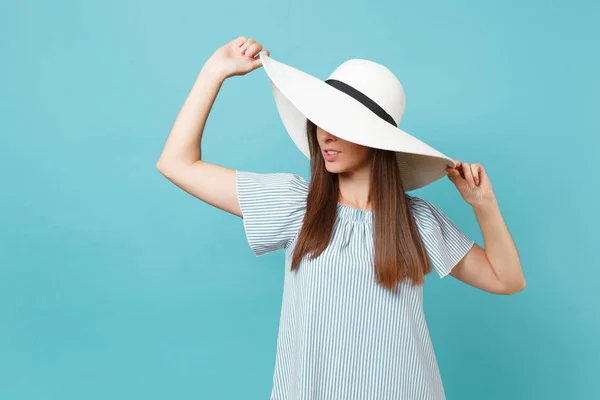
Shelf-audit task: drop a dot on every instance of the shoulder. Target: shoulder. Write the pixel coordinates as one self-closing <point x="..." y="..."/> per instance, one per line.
<point x="273" y="206"/>
<point x="444" y="241"/>
<point x="271" y="190"/>
<point x="426" y="214"/>
<point x="421" y="208"/>
<point x="432" y="221"/>
<point x="275" y="180"/>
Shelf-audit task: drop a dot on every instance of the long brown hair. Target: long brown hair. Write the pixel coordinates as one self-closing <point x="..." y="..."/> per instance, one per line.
<point x="398" y="247"/>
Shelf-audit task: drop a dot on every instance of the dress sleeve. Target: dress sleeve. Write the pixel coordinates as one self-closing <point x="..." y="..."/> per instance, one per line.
<point x="445" y="243"/>
<point x="273" y="207"/>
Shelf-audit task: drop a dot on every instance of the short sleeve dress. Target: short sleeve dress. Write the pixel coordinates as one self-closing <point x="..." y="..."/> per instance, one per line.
<point x="341" y="335"/>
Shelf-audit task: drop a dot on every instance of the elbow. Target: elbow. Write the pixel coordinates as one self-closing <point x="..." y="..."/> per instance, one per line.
<point x="516" y="287"/>
<point x="165" y="167"/>
<point x="160" y="166"/>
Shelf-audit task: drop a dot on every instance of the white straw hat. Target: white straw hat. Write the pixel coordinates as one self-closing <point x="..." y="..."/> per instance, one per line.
<point x="361" y="102"/>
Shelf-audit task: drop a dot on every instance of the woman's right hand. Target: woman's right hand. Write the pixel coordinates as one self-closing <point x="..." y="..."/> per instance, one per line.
<point x="237" y="57"/>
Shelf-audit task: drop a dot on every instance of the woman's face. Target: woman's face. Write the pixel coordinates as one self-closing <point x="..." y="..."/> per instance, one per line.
<point x="347" y="157"/>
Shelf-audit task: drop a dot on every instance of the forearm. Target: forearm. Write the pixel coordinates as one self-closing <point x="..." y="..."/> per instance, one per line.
<point x="183" y="145"/>
<point x="499" y="246"/>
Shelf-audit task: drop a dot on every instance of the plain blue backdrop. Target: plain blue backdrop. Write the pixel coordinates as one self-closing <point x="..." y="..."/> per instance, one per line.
<point x="115" y="284"/>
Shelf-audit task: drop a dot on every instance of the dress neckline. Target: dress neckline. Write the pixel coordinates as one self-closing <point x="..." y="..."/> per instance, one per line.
<point x="353" y="214"/>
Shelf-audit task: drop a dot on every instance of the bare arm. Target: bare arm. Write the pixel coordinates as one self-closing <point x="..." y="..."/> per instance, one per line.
<point x="181" y="159"/>
<point x="496" y="268"/>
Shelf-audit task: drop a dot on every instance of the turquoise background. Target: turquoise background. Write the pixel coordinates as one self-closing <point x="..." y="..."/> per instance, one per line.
<point x="115" y="284"/>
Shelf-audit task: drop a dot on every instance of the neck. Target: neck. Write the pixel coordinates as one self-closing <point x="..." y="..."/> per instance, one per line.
<point x="354" y="188"/>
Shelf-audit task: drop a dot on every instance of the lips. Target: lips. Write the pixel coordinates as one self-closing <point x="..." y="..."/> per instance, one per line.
<point x="330" y="157"/>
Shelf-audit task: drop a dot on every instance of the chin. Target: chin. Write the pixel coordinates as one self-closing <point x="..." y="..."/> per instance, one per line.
<point x="334" y="168"/>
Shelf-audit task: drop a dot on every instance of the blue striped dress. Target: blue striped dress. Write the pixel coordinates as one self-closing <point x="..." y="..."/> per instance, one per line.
<point x="341" y="335"/>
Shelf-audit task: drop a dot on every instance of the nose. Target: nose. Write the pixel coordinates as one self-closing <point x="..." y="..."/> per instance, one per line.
<point x="326" y="138"/>
<point x="329" y="137"/>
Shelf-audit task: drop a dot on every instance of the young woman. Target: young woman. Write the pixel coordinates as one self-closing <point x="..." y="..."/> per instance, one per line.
<point x="357" y="246"/>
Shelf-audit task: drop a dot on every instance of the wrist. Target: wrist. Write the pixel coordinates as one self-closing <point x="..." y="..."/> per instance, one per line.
<point x="213" y="72"/>
<point x="484" y="205"/>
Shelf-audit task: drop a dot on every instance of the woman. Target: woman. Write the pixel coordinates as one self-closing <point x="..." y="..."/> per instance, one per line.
<point x="357" y="247"/>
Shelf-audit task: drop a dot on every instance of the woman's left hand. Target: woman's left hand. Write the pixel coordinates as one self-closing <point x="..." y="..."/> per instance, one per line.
<point x="472" y="182"/>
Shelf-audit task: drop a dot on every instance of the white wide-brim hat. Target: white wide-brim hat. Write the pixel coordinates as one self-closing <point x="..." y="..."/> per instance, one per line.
<point x="361" y="102"/>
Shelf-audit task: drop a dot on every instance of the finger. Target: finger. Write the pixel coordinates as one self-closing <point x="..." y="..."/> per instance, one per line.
<point x="257" y="61"/>
<point x="450" y="168"/>
<point x="457" y="164"/>
<point x="246" y="45"/>
<point x="239" y="41"/>
<point x="454" y="171"/>
<point x="484" y="178"/>
<point x="253" y="49"/>
<point x="468" y="174"/>
<point x="453" y="175"/>
<point x="475" y="172"/>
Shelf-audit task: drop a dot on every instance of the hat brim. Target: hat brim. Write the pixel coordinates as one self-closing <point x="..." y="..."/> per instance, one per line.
<point x="299" y="96"/>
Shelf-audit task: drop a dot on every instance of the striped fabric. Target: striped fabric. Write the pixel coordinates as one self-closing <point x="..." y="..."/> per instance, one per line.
<point x="341" y="335"/>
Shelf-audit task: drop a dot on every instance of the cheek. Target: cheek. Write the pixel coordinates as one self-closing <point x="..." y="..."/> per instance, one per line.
<point x="358" y="154"/>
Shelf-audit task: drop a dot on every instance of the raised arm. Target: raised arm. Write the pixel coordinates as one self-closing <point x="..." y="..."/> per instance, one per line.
<point x="495" y="268"/>
<point x="181" y="159"/>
